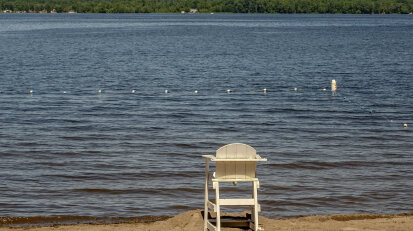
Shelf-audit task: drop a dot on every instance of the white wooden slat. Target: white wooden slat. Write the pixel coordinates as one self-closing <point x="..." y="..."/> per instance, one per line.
<point x="232" y="151"/>
<point x="240" y="170"/>
<point x="231" y="180"/>
<point x="240" y="166"/>
<point x="222" y="152"/>
<point x="211" y="227"/>
<point x="251" y="152"/>
<point x="239" y="160"/>
<point x="250" y="169"/>
<point x="242" y="151"/>
<point x="238" y="201"/>
<point x="220" y="170"/>
<point x="230" y="169"/>
<point x="212" y="206"/>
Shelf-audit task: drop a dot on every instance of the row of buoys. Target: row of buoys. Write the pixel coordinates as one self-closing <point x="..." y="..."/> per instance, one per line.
<point x="264" y="90"/>
<point x="166" y="91"/>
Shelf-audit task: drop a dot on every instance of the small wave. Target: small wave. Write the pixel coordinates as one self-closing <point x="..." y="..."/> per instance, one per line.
<point x="53" y="164"/>
<point x="138" y="191"/>
<point x="180" y="207"/>
<point x="187" y="146"/>
<point x="316" y="165"/>
<point x="30" y="144"/>
<point x="106" y="191"/>
<point x="274" y="187"/>
<point x="288" y="203"/>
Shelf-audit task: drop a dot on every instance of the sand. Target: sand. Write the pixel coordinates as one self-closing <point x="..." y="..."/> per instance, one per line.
<point x="193" y="221"/>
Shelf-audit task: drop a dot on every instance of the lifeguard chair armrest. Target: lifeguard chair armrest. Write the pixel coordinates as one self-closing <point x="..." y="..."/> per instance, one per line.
<point x="213" y="158"/>
<point x="208" y="157"/>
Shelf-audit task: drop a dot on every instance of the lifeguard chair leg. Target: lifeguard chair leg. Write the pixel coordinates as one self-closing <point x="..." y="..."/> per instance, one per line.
<point x="218" y="224"/>
<point x="255" y="196"/>
<point x="206" y="195"/>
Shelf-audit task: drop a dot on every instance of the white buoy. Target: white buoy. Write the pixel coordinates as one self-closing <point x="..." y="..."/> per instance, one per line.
<point x="166" y="91"/>
<point x="333" y="85"/>
<point x="31" y="92"/>
<point x="264" y="90"/>
<point x="99" y="91"/>
<point x="229" y="91"/>
<point x="133" y="91"/>
<point x="196" y="92"/>
<point x="64" y="92"/>
<point x="323" y="89"/>
<point x="293" y="89"/>
<point x="405" y="125"/>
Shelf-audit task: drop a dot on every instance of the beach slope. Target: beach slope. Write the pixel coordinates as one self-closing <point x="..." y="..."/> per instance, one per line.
<point x="193" y="221"/>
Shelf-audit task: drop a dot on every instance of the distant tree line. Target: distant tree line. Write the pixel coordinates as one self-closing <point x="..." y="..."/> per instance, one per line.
<point x="219" y="6"/>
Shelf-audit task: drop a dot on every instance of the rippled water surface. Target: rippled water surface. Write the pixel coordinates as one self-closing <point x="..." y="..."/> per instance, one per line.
<point x="67" y="149"/>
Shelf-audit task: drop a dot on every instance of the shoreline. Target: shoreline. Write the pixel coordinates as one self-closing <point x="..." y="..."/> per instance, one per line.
<point x="193" y="220"/>
<point x="201" y="13"/>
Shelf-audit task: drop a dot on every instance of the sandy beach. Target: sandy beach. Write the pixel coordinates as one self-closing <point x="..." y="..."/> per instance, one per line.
<point x="193" y="221"/>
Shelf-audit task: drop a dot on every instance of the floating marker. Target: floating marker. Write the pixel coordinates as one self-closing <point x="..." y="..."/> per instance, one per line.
<point x="64" y="92"/>
<point x="333" y="85"/>
<point x="31" y="92"/>
<point x="133" y="91"/>
<point x="264" y="90"/>
<point x="99" y="91"/>
<point x="229" y="91"/>
<point x="196" y="92"/>
<point x="405" y="125"/>
<point x="166" y="91"/>
<point x="323" y="89"/>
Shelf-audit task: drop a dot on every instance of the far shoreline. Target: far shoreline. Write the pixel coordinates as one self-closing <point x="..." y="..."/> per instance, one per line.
<point x="177" y="13"/>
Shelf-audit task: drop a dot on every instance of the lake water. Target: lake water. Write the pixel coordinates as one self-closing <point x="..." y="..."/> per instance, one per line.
<point x="67" y="149"/>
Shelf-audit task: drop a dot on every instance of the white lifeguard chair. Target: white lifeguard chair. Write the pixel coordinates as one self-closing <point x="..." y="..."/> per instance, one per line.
<point x="234" y="162"/>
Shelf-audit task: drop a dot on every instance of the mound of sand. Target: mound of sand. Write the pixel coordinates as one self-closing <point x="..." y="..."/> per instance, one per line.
<point x="193" y="221"/>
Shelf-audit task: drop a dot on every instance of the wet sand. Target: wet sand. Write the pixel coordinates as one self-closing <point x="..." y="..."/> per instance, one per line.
<point x="193" y="221"/>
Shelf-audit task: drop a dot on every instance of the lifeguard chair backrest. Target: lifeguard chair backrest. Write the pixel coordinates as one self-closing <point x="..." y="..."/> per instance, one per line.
<point x="236" y="170"/>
